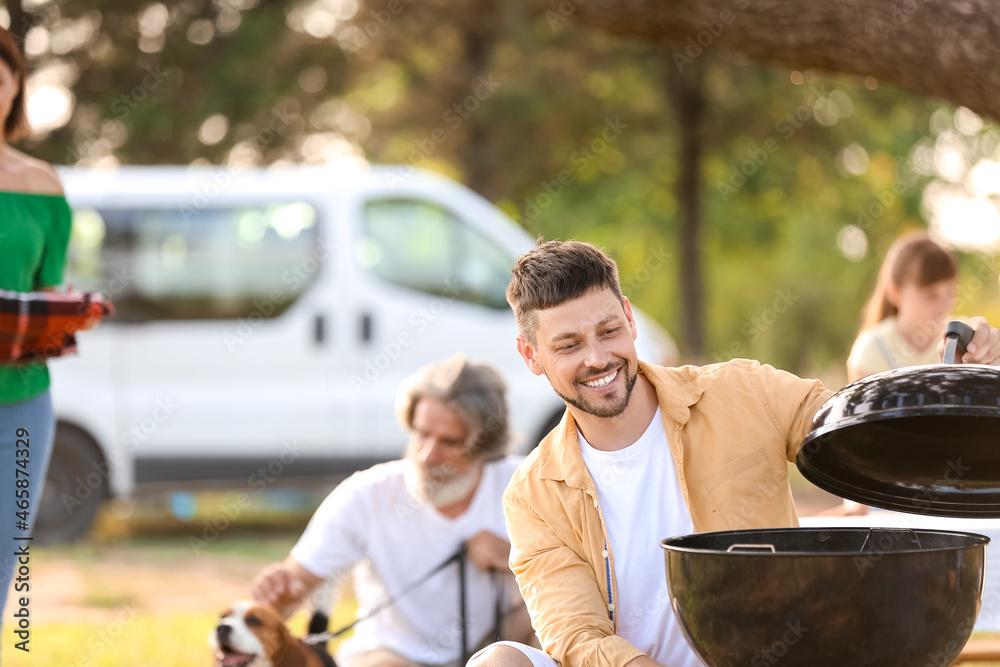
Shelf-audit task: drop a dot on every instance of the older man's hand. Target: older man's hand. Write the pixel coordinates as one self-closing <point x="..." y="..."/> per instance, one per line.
<point x="488" y="551"/>
<point x="984" y="347"/>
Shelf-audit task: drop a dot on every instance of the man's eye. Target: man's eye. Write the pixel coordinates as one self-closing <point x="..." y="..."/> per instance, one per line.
<point x="611" y="332"/>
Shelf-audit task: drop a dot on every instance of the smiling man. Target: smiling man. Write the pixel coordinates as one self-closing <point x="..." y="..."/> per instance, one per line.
<point x="643" y="453"/>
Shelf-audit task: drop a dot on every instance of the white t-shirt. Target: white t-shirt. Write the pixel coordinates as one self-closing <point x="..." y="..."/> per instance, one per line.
<point x="642" y="505"/>
<point x="371" y="522"/>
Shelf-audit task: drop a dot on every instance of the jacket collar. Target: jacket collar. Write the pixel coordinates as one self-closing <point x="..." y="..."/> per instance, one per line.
<point x="560" y="450"/>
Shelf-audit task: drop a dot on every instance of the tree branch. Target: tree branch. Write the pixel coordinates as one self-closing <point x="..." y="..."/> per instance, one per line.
<point x="948" y="49"/>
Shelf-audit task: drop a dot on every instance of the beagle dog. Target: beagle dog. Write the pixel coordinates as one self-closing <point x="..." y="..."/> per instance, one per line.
<point x="255" y="635"/>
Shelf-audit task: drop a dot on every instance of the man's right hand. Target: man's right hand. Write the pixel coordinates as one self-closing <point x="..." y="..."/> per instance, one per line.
<point x="276" y="586"/>
<point x="284" y="585"/>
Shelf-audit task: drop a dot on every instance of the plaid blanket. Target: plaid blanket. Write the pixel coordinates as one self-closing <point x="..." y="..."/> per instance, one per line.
<point x="38" y="325"/>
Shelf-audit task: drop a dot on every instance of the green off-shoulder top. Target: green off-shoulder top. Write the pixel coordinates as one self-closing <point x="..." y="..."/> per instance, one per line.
<point x="34" y="235"/>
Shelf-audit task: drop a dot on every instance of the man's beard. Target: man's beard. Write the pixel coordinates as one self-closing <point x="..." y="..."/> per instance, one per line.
<point x="582" y="404"/>
<point x="441" y="486"/>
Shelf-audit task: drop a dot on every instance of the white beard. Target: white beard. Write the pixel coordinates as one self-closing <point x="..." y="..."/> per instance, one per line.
<point x="443" y="492"/>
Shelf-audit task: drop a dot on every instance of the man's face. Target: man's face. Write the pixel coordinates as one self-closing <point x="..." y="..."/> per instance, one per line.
<point x="437" y="450"/>
<point x="585" y="347"/>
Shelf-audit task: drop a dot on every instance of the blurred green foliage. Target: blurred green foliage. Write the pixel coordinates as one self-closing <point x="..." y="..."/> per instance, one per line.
<point x="522" y="96"/>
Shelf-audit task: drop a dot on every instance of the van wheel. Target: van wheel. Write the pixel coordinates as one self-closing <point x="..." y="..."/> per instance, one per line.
<point x="549" y="425"/>
<point x="75" y="485"/>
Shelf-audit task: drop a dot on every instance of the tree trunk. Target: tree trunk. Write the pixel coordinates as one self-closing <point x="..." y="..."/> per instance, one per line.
<point x="689" y="106"/>
<point x="948" y="49"/>
<point x="480" y="39"/>
<point x="18" y="22"/>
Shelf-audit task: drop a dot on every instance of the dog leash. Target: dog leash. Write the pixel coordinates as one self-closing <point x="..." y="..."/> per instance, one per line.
<point x="458" y="556"/>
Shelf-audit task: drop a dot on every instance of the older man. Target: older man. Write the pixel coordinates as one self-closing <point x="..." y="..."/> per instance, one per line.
<point x="395" y="522"/>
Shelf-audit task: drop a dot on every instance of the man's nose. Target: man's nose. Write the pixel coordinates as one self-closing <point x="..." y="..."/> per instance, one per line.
<point x="596" y="355"/>
<point x="431" y="452"/>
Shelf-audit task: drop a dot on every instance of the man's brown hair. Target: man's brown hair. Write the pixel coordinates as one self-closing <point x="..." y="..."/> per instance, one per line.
<point x="15" y="125"/>
<point x="553" y="273"/>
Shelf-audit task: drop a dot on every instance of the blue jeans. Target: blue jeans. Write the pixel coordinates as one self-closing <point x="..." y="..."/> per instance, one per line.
<point x="34" y="416"/>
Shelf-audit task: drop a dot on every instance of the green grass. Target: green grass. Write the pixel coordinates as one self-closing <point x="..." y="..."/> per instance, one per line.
<point x="110" y="631"/>
<point x="130" y="639"/>
<point x="175" y="640"/>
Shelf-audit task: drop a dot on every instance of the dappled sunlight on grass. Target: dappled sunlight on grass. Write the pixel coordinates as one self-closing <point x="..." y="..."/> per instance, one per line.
<point x="148" y="639"/>
<point x="146" y="589"/>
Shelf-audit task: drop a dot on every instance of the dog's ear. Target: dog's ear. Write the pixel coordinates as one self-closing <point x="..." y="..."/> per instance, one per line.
<point x="277" y="636"/>
<point x="286" y="656"/>
<point x="277" y="645"/>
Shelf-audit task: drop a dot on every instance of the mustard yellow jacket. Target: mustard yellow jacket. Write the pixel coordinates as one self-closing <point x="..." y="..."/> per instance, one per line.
<point x="731" y="428"/>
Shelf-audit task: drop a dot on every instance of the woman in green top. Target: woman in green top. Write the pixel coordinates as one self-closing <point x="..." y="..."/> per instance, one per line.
<point x="34" y="232"/>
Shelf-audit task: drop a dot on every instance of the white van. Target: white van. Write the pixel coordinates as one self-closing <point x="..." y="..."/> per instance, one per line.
<point x="264" y="321"/>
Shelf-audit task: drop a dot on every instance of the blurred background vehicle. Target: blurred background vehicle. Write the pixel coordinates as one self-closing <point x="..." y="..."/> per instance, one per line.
<point x="265" y="319"/>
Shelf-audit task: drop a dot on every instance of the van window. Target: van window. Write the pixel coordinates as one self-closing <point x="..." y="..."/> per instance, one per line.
<point x="214" y="263"/>
<point x="423" y="246"/>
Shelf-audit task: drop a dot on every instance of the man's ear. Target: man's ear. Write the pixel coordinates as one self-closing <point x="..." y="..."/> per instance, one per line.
<point x="627" y="307"/>
<point x="527" y="353"/>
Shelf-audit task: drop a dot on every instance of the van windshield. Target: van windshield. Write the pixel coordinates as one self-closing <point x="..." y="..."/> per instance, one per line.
<point x="422" y="246"/>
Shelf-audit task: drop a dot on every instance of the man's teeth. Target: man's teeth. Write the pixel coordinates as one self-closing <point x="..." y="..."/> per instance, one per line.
<point x="602" y="381"/>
